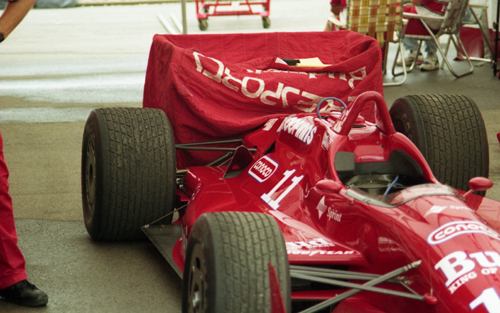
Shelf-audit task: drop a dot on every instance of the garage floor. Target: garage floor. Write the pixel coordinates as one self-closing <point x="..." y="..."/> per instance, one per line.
<point x="61" y="63"/>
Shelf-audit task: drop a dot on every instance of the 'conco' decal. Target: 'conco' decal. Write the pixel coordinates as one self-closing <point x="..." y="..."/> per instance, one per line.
<point x="454" y="229"/>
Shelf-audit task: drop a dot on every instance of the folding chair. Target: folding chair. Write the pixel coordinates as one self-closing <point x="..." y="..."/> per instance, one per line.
<point x="451" y="23"/>
<point x="481" y="21"/>
<point x="380" y="19"/>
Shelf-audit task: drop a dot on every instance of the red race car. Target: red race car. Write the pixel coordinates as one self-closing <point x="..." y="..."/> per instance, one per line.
<point x="309" y="211"/>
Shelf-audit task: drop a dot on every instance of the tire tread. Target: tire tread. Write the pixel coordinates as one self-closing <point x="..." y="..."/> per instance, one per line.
<point x="455" y="143"/>
<point x="138" y="175"/>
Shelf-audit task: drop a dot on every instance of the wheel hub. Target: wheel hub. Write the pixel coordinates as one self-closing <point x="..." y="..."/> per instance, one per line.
<point x="197" y="282"/>
<point x="90" y="175"/>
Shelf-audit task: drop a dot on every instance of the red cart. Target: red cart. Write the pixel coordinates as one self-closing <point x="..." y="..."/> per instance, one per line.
<point x="204" y="9"/>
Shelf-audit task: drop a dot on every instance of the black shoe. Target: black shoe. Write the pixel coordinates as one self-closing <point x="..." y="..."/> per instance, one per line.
<point x="24" y="293"/>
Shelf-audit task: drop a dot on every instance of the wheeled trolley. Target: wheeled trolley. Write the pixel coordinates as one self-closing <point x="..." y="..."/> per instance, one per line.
<point x="204" y="9"/>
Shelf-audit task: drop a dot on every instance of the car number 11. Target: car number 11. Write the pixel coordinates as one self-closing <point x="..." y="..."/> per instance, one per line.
<point x="275" y="203"/>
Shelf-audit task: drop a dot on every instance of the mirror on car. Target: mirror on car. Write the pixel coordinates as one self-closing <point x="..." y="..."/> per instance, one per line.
<point x="478" y="184"/>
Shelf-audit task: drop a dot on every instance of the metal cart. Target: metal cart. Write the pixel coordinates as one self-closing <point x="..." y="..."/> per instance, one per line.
<point x="204" y="9"/>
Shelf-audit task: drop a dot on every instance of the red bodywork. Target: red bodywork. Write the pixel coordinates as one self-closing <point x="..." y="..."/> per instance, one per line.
<point x="326" y="223"/>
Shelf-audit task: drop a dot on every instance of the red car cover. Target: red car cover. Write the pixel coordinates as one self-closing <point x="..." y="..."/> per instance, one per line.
<point x="222" y="86"/>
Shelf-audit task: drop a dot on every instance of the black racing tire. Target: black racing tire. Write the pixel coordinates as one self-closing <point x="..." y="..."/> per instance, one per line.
<point x="128" y="171"/>
<point x="226" y="265"/>
<point x="449" y="131"/>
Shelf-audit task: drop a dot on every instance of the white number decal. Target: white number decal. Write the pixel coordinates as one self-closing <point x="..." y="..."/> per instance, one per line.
<point x="489" y="298"/>
<point x="275" y="204"/>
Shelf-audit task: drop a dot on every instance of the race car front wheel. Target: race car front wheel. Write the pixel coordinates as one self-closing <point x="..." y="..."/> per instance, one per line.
<point x="226" y="265"/>
<point x="128" y="171"/>
<point x="449" y="131"/>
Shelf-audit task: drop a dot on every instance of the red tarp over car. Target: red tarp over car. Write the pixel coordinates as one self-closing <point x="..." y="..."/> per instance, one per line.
<point x="221" y="86"/>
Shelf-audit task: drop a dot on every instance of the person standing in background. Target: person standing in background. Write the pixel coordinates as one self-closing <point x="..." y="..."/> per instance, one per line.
<point x="337" y="7"/>
<point x="14" y="286"/>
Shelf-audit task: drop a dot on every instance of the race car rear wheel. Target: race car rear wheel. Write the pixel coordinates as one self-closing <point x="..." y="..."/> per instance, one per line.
<point x="449" y="131"/>
<point x="226" y="265"/>
<point x="128" y="171"/>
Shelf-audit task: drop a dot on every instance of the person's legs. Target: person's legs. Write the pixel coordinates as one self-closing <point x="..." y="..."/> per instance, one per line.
<point x="12" y="264"/>
<point x="430" y="47"/>
<point x="431" y="62"/>
<point x="13" y="284"/>
<point x="415" y="27"/>
<point x="411" y="45"/>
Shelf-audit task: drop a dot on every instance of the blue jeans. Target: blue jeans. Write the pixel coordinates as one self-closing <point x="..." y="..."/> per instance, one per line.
<point x="412" y="45"/>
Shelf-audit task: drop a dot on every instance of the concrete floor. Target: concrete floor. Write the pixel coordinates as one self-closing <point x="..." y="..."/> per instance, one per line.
<point x="61" y="63"/>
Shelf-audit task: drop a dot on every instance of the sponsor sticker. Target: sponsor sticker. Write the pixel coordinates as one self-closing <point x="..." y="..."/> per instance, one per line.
<point x="457" y="228"/>
<point x="301" y="128"/>
<point x="459" y="267"/>
<point x="314" y="243"/>
<point x="263" y="169"/>
<point x="314" y="247"/>
<point x="318" y="252"/>
<point x="438" y="209"/>
<point x="321" y="207"/>
<point x="334" y="215"/>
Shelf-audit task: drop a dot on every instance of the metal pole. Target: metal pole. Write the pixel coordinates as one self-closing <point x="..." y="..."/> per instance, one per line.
<point x="496" y="27"/>
<point x="184" y="19"/>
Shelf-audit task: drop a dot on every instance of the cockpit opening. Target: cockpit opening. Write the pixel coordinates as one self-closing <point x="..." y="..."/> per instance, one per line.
<point x="379" y="178"/>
